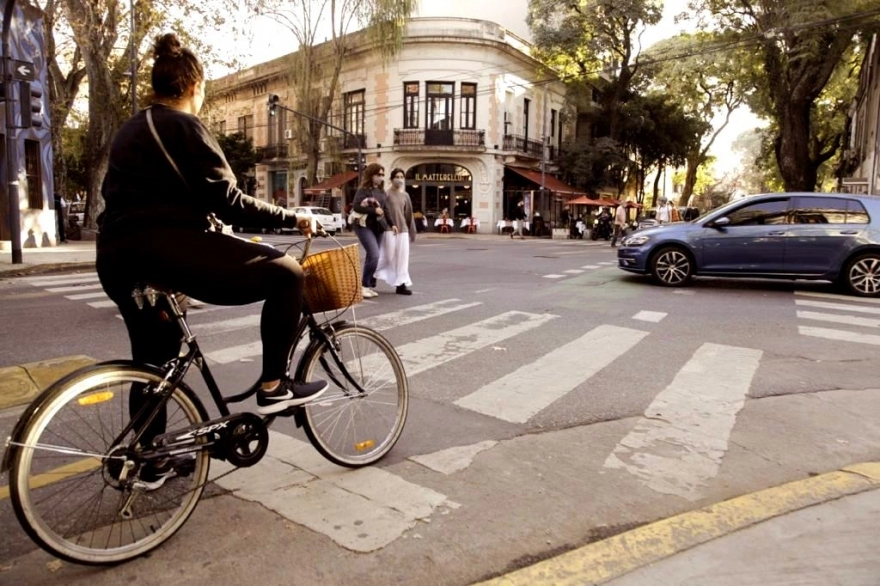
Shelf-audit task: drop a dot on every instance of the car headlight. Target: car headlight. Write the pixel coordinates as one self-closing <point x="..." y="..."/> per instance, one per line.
<point x="636" y="240"/>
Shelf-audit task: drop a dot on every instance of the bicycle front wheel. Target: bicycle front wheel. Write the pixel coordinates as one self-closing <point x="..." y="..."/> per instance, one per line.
<point x="350" y="427"/>
<point x="67" y="483"/>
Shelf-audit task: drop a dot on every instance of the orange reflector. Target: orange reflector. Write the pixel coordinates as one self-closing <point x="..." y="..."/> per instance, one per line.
<point x="360" y="446"/>
<point x="95" y="398"/>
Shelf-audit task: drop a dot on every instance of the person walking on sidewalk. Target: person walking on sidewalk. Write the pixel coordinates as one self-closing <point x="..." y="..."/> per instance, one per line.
<point x="519" y="218"/>
<point x="61" y="216"/>
<point x="166" y="174"/>
<point x="619" y="224"/>
<point x="394" y="260"/>
<point x="368" y="219"/>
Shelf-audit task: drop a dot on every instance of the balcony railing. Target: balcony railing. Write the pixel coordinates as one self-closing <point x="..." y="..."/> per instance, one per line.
<point x="268" y="153"/>
<point x="416" y="137"/>
<point x="521" y="144"/>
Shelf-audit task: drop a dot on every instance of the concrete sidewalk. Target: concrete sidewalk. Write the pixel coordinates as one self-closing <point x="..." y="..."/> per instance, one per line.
<point x="67" y="256"/>
<point x="820" y="530"/>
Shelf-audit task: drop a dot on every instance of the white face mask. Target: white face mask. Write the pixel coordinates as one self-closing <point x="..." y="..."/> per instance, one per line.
<point x="377" y="181"/>
<point x="398" y="183"/>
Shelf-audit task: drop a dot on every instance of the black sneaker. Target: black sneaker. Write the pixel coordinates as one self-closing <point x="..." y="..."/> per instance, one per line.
<point x="402" y="290"/>
<point x="289" y="394"/>
<point x="154" y="474"/>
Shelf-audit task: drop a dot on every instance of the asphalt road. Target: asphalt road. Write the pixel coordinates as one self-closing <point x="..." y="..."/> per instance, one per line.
<point x="551" y="376"/>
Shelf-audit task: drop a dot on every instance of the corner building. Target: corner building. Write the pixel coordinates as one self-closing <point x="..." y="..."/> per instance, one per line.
<point x="463" y="108"/>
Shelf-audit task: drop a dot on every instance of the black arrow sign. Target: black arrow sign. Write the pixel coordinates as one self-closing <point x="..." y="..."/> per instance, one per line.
<point x="22" y="70"/>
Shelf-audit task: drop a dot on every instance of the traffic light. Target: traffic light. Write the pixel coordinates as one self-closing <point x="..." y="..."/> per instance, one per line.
<point x="273" y="104"/>
<point x="31" y="105"/>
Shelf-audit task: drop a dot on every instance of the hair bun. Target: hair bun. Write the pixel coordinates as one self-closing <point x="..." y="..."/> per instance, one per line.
<point x="167" y="45"/>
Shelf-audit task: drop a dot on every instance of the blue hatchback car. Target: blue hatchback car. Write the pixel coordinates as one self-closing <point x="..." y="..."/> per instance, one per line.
<point x="828" y="236"/>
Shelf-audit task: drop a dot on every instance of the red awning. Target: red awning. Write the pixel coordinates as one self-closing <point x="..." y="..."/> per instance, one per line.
<point x="330" y="183"/>
<point x="586" y="201"/>
<point x="550" y="182"/>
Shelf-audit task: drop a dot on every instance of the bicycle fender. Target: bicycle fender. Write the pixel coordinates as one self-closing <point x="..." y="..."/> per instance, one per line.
<point x="40" y="400"/>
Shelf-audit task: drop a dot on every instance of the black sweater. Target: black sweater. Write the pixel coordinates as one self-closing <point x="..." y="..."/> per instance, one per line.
<point x="143" y="191"/>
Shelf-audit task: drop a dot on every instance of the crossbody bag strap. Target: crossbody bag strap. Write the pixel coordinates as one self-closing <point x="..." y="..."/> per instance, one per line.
<point x="162" y="146"/>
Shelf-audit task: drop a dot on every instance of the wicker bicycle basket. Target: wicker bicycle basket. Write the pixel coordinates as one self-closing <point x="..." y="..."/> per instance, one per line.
<point x="332" y="279"/>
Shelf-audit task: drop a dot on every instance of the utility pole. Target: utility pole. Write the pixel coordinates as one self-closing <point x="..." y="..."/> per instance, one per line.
<point x="11" y="140"/>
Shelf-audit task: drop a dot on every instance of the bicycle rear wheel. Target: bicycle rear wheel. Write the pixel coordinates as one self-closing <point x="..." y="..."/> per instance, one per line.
<point x="349" y="427"/>
<point x="65" y="482"/>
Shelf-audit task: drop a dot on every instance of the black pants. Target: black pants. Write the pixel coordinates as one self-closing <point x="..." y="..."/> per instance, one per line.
<point x="215" y="268"/>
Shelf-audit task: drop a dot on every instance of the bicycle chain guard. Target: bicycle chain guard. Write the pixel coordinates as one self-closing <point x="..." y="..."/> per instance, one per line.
<point x="246" y="442"/>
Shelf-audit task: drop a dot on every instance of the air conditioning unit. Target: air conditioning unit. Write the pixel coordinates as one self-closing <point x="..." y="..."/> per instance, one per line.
<point x="288" y="134"/>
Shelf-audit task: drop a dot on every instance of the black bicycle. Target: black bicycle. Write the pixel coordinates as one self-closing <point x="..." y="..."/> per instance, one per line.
<point x="76" y="454"/>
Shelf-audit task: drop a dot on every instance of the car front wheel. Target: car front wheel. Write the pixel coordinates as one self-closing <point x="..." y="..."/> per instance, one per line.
<point x="671" y="267"/>
<point x="862" y="275"/>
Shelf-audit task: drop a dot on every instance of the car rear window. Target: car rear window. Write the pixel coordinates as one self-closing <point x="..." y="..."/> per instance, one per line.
<point x="856" y="212"/>
<point x="819" y="210"/>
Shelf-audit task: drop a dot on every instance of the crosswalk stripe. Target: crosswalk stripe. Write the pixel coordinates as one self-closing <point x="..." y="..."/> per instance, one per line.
<point x="651" y="316"/>
<point x="380" y="322"/>
<point x="518" y="396"/>
<point x="841" y="319"/>
<point x="590" y="267"/>
<point x="574" y="271"/>
<point x="415" y="314"/>
<point x="362" y="510"/>
<point x="95" y="295"/>
<point x="69" y="280"/>
<point x="839" y="335"/>
<point x="840" y="306"/>
<point x="227" y="325"/>
<point x="839" y="297"/>
<point x="74" y="288"/>
<point x="430" y="352"/>
<point x="677" y="447"/>
<point x="101" y="304"/>
<point x="554" y="276"/>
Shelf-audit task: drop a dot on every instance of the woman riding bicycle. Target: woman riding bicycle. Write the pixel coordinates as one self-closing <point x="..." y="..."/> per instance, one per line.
<point x="166" y="174"/>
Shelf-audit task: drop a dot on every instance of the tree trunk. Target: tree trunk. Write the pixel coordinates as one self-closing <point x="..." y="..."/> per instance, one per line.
<point x="690" y="178"/>
<point x="793" y="148"/>
<point x="657" y="181"/>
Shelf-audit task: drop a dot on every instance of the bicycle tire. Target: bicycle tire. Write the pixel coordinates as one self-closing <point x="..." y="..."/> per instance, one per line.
<point x="347" y="427"/>
<point x="81" y="408"/>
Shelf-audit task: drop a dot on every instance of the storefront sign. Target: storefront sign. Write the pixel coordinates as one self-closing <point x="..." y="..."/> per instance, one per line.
<point x="447" y="177"/>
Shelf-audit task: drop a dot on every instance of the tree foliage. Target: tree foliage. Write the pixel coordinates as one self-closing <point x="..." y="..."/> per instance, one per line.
<point x="240" y="153"/>
<point x="314" y="69"/>
<point x="796" y="47"/>
<point x="90" y="41"/>
<point x="707" y="84"/>
<point x="594" y="40"/>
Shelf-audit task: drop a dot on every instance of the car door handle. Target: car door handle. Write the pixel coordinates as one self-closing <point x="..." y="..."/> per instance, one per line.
<point x="849" y="232"/>
<point x="776" y="233"/>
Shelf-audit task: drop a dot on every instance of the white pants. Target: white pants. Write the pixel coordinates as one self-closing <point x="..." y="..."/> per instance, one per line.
<point x="394" y="259"/>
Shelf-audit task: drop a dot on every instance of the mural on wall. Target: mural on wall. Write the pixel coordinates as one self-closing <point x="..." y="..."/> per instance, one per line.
<point x="36" y="184"/>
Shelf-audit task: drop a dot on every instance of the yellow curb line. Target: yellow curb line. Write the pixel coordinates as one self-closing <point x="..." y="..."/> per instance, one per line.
<point x="20" y="384"/>
<point x="58" y="474"/>
<point x="616" y="556"/>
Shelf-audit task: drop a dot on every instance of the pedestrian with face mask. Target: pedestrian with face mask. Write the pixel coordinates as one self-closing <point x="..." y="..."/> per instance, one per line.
<point x="394" y="259"/>
<point x="370" y="222"/>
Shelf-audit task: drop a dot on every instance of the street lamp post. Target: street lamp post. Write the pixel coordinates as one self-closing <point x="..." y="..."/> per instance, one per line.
<point x="11" y="140"/>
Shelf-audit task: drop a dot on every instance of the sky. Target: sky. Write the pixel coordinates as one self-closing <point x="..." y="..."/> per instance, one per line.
<point x="270" y="40"/>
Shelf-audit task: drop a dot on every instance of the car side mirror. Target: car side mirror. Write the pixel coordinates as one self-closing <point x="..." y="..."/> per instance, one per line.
<point x="720" y="222"/>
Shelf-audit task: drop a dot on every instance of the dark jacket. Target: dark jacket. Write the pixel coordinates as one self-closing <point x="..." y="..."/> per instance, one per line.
<point x="519" y="213"/>
<point x="143" y="191"/>
<point x="373" y="223"/>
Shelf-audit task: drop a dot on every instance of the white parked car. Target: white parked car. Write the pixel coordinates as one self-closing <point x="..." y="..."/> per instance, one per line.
<point x="331" y="222"/>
